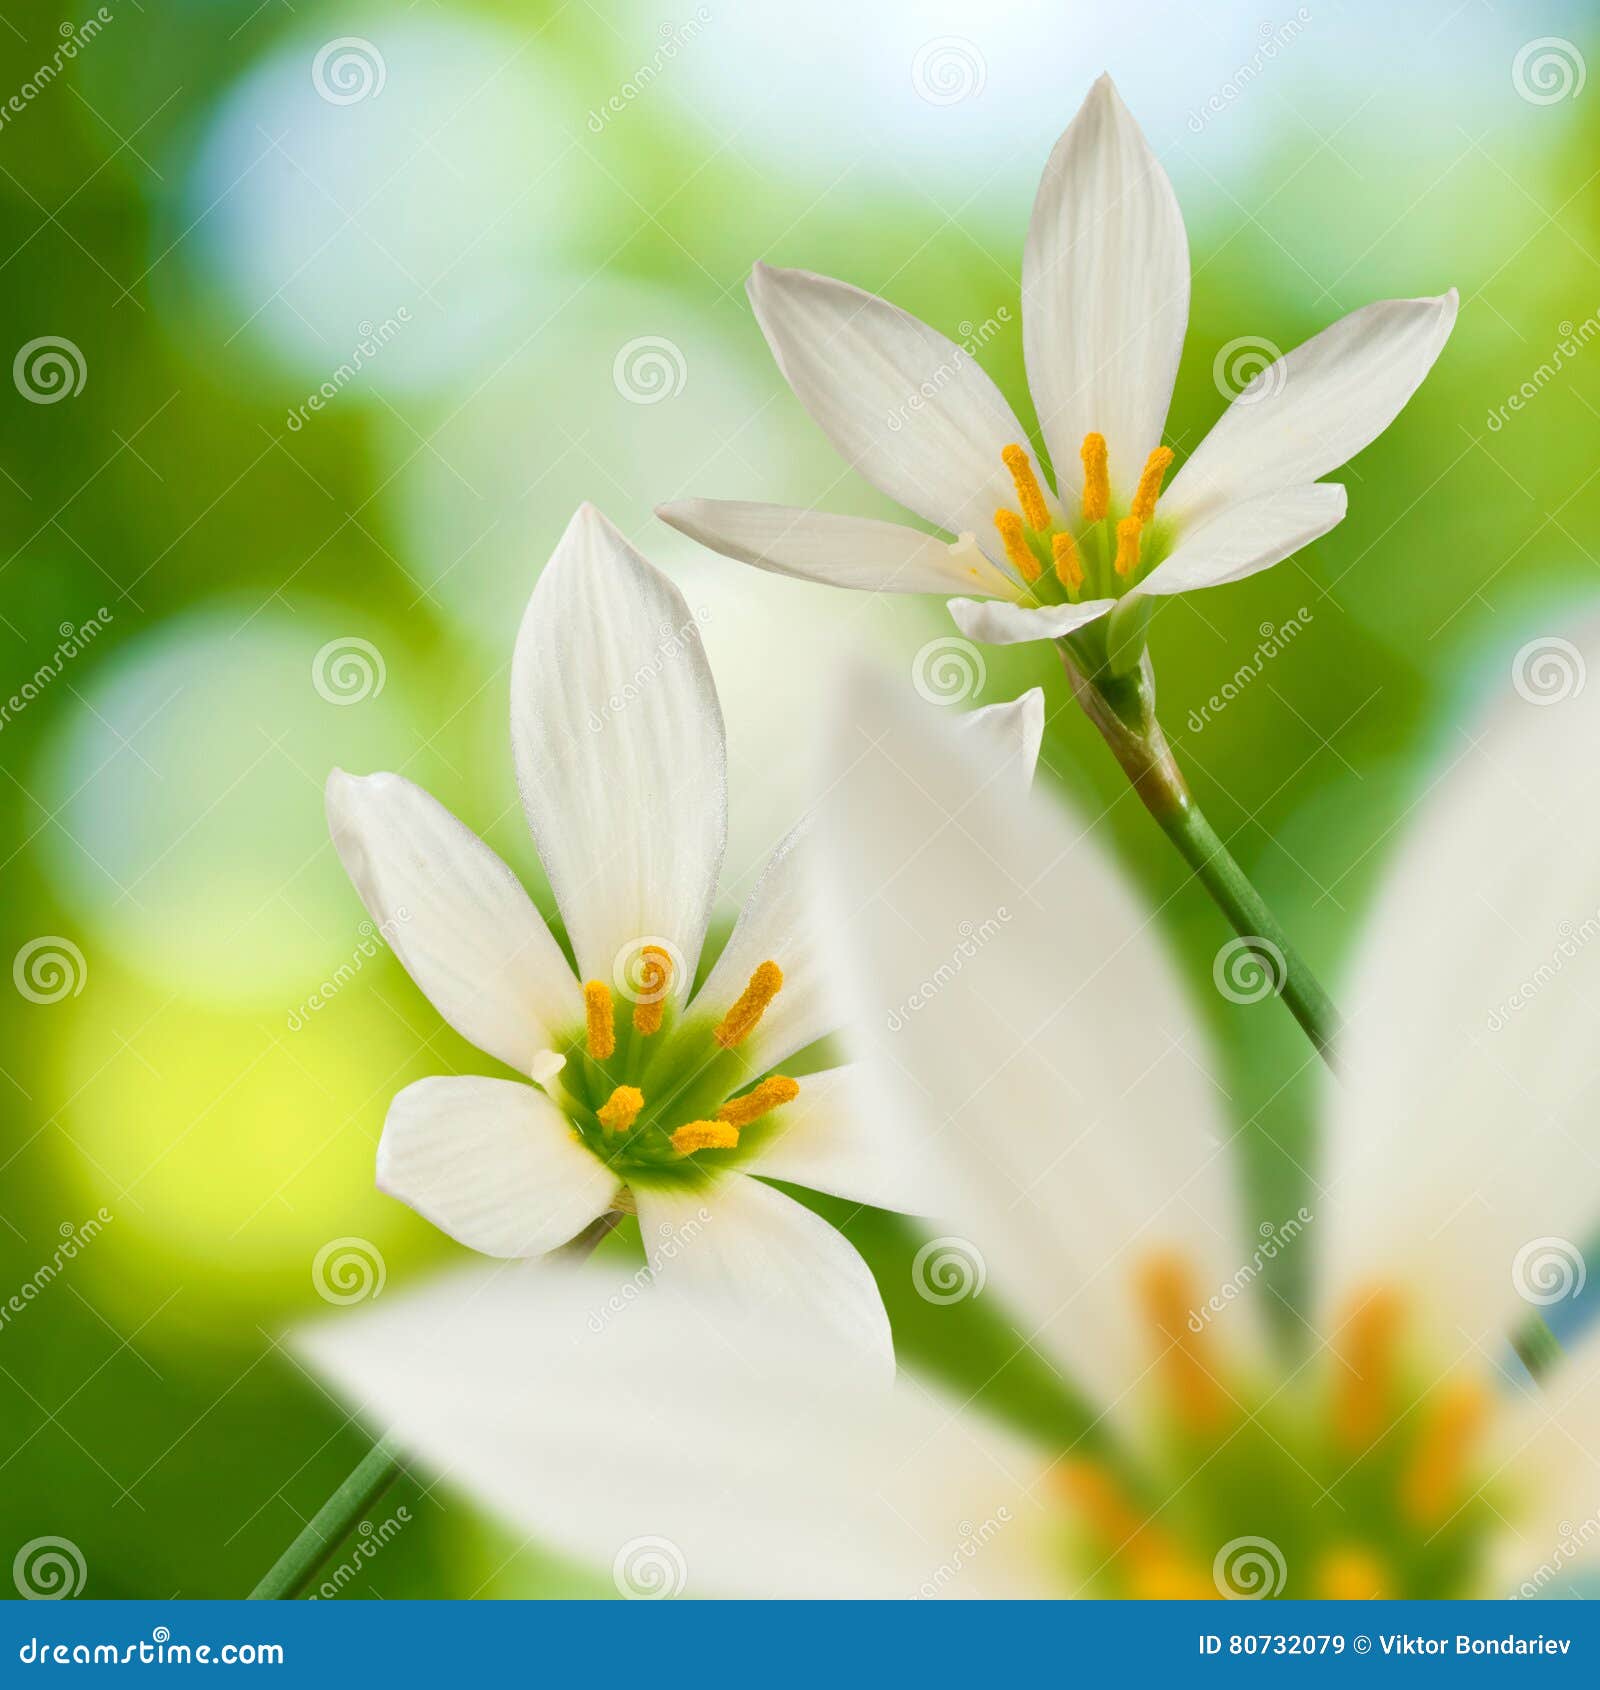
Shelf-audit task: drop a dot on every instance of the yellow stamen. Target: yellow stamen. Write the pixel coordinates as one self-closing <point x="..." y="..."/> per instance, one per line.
<point x="1149" y="488"/>
<point x="621" y="1109"/>
<point x="1166" y="1294"/>
<point x="740" y="1021"/>
<point x="1366" y="1347"/>
<point x="1157" y="1569"/>
<point x="1092" y="1492"/>
<point x="769" y="1095"/>
<point x="1128" y="545"/>
<point x="1166" y="1577"/>
<point x="1026" y="483"/>
<point x="1449" y="1430"/>
<point x="599" y="1024"/>
<point x="1096" y="478"/>
<point x="1069" y="571"/>
<point x="1018" y="554"/>
<point x="650" y="1008"/>
<point x="1349" y="1575"/>
<point x="704" y="1135"/>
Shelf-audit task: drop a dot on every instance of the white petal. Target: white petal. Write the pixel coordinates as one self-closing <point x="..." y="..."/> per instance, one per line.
<point x="1009" y="734"/>
<point x="1004" y="973"/>
<point x="841" y="551"/>
<point x="834" y="1138"/>
<point x="679" y="1458"/>
<point x="742" y="1241"/>
<point x="455" y="915"/>
<point x="1105" y="292"/>
<point x="997" y="623"/>
<point x="493" y="1163"/>
<point x="909" y="409"/>
<point x="1247" y="538"/>
<point x="620" y="752"/>
<point x="778" y="924"/>
<point x="1462" y="1137"/>
<point x="1316" y="408"/>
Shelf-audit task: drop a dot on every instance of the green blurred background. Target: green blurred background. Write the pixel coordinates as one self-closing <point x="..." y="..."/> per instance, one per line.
<point x="536" y="220"/>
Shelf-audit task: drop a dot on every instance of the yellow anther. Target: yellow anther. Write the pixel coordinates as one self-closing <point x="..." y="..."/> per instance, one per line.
<point x="1069" y="571"/>
<point x="599" y="1024"/>
<point x="652" y="1005"/>
<point x="740" y="1021"/>
<point x="704" y="1135"/>
<point x="1149" y="488"/>
<point x="621" y="1109"/>
<point x="1165" y="1577"/>
<point x="1365" y="1380"/>
<point x="1166" y="1294"/>
<point x="1096" y="478"/>
<point x="1128" y="545"/>
<point x="1018" y="553"/>
<point x="1349" y="1575"/>
<point x="1438" y="1466"/>
<point x="1034" y="511"/>
<point x="771" y="1094"/>
<point x="1096" y="1497"/>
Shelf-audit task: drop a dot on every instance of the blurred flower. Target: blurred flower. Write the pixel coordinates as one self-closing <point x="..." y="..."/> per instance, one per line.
<point x="1105" y="302"/>
<point x="666" y="1104"/>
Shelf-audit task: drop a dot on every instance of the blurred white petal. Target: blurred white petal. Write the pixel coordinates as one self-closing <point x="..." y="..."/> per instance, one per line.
<point x="1009" y="735"/>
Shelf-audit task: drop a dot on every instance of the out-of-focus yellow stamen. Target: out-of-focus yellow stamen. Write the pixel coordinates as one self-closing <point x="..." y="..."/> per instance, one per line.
<point x="1449" y="1429"/>
<point x="1128" y="544"/>
<point x="704" y="1135"/>
<point x="1349" y="1575"/>
<point x="1097" y="1497"/>
<point x="1156" y="1568"/>
<point x="1069" y="571"/>
<point x="650" y="1008"/>
<point x="1198" y="1400"/>
<point x="1149" y="488"/>
<point x="1364" y="1383"/>
<point x="621" y="1109"/>
<point x="1096" y="478"/>
<point x="600" y="1025"/>
<point x="1162" y="1576"/>
<point x="1029" y="496"/>
<point x="740" y="1021"/>
<point x="771" y="1094"/>
<point x="1018" y="553"/>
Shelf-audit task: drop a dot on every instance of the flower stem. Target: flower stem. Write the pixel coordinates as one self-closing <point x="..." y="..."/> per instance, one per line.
<point x="1537" y="1347"/>
<point x="1123" y="709"/>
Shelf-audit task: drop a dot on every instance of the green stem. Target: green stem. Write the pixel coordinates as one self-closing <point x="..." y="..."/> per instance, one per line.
<point x="300" y="1563"/>
<point x="1537" y="1347"/>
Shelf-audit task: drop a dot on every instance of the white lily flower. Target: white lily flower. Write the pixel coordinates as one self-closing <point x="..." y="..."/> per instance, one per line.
<point x="1105" y="300"/>
<point x="669" y="1106"/>
<point x="1057" y="1071"/>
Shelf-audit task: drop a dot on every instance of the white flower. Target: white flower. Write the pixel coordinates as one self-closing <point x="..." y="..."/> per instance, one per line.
<point x="643" y="1099"/>
<point x="1105" y="300"/>
<point x="1059" y="1071"/>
